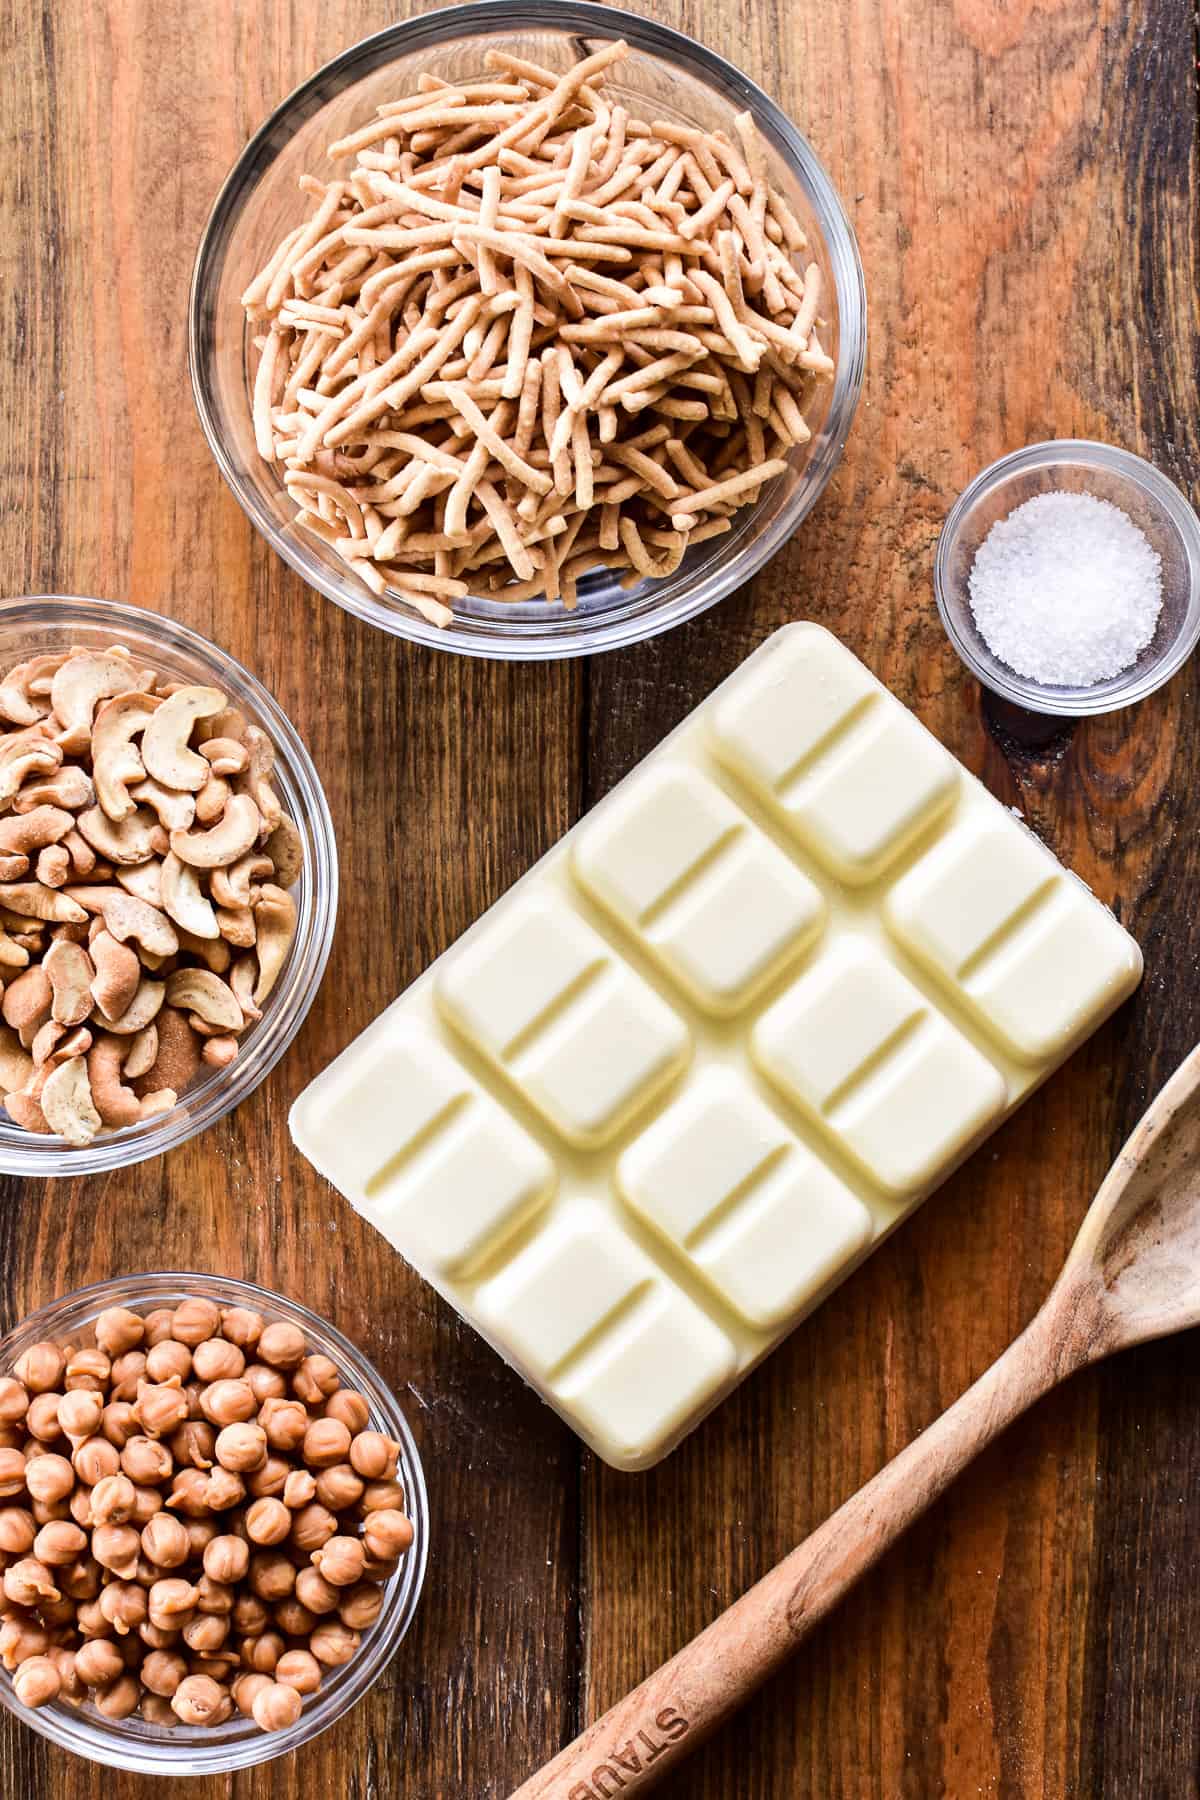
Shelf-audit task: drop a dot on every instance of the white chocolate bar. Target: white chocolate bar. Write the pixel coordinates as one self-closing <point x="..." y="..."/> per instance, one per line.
<point x="667" y="1093"/>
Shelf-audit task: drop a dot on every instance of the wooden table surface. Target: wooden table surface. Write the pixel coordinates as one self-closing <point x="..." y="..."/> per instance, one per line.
<point x="1022" y="176"/>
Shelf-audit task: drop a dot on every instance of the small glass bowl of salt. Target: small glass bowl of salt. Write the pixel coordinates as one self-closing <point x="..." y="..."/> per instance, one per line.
<point x="1068" y="578"/>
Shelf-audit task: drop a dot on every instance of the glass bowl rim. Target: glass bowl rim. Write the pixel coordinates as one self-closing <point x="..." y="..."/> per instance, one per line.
<point x="1111" y="459"/>
<point x="289" y="1005"/>
<point x="495" y="17"/>
<point x="70" y="1728"/>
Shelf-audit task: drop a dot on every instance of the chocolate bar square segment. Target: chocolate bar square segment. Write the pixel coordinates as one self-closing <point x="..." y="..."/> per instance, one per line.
<point x="736" y="1194"/>
<point x="612" y="1340"/>
<point x="832" y="755"/>
<point x="560" y="1015"/>
<point x="1011" y="935"/>
<point x="865" y="1056"/>
<point x="701" y="889"/>
<point x="426" y="1154"/>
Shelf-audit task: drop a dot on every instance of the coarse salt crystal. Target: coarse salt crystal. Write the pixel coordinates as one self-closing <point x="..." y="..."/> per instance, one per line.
<point x="1066" y="590"/>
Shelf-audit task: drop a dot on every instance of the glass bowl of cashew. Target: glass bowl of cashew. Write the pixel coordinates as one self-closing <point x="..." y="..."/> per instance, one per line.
<point x="366" y="516"/>
<point x="165" y="915"/>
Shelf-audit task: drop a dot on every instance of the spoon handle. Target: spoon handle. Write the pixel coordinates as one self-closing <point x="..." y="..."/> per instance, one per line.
<point x="653" y="1728"/>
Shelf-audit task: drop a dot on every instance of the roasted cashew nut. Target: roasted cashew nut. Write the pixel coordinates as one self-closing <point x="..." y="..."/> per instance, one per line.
<point x="201" y="992"/>
<point x="44" y="1039"/>
<point x="12" y="955"/>
<point x="285" y="848"/>
<point x="16" y="1064"/>
<point x="70" y="971"/>
<point x="66" y="1102"/>
<point x="69" y="787"/>
<point x="15" y="702"/>
<point x="233" y="886"/>
<point x="53" y="866"/>
<point x="178" y="1058"/>
<point x="83" y="857"/>
<point x="275" y="920"/>
<point x="28" y="1000"/>
<point x="53" y="1043"/>
<point x="23" y="833"/>
<point x="256" y="778"/>
<point x="183" y="899"/>
<point x="145" y="881"/>
<point x="25" y="753"/>
<point x="219" y="1052"/>
<point x="142" y="1051"/>
<point x="175" y="811"/>
<point x="142" y="1010"/>
<point x="214" y="953"/>
<point x="226" y="755"/>
<point x="26" y="1112"/>
<point x="237" y="926"/>
<point x="159" y="1101"/>
<point x="115" y="759"/>
<point x="117" y="1104"/>
<point x="125" y="916"/>
<point x="79" y="686"/>
<point x="234" y="833"/>
<point x="243" y="979"/>
<point x="212" y="800"/>
<point x="165" y="749"/>
<point x="38" y="902"/>
<point x="118" y="972"/>
<point x="132" y="841"/>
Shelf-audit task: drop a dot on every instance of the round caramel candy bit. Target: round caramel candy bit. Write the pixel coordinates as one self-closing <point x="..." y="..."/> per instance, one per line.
<point x="276" y="1706"/>
<point x="242" y="1448"/>
<point x="299" y="1669"/>
<point x="37" y="1682"/>
<point x="282" y="1345"/>
<point x="40" y="1368"/>
<point x="194" y="1320"/>
<point x="197" y="1699"/>
<point x="14" y="1400"/>
<point x="118" y="1330"/>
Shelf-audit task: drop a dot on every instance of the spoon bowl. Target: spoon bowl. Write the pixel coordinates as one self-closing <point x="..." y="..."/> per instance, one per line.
<point x="1138" y="1250"/>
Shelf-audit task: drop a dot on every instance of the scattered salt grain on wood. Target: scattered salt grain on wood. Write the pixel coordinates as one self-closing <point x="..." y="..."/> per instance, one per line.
<point x="1066" y="590"/>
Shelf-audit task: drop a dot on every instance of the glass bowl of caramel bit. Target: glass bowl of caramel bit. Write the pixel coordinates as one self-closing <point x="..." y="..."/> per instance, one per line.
<point x="217" y="1533"/>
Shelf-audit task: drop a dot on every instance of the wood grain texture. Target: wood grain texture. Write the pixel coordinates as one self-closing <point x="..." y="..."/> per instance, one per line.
<point x="1023" y="178"/>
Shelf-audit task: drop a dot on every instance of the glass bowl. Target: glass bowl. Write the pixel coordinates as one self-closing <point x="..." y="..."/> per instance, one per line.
<point x="238" y="1744"/>
<point x="50" y="622"/>
<point x="666" y="73"/>
<point x="1156" y="507"/>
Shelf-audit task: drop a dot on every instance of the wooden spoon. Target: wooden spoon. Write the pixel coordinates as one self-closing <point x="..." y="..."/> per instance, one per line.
<point x="1133" y="1274"/>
